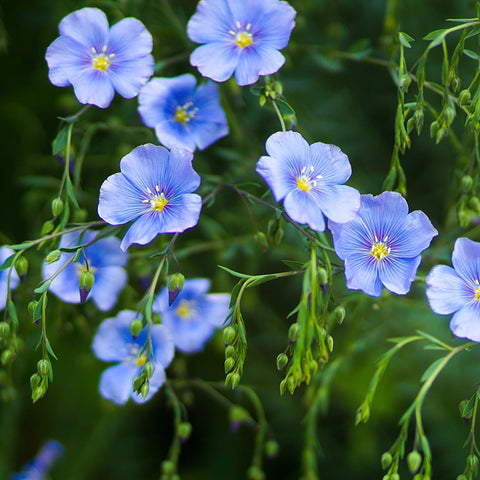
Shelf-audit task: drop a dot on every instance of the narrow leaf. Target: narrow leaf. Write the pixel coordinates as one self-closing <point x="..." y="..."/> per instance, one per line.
<point x="60" y="140"/>
<point x="7" y="263"/>
<point x="71" y="192"/>
<point x="13" y="312"/>
<point x="43" y="287"/>
<point x="49" y="349"/>
<point x="405" y="39"/>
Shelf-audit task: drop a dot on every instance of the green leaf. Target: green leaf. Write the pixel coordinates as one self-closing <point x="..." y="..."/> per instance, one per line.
<point x="405" y="39"/>
<point x="71" y="192"/>
<point x="37" y="314"/>
<point x="235" y="274"/>
<point x="261" y="279"/>
<point x="60" y="140"/>
<point x="8" y="262"/>
<point x="359" y="50"/>
<point x="49" y="349"/>
<point x="257" y="91"/>
<point x="471" y="54"/>
<point x="284" y="107"/>
<point x="461" y="20"/>
<point x="13" y="312"/>
<point x="331" y="64"/>
<point x="474" y="31"/>
<point x="294" y="265"/>
<point x="43" y="287"/>
<point x="21" y="246"/>
<point x="428" y="372"/>
<point x="436" y="37"/>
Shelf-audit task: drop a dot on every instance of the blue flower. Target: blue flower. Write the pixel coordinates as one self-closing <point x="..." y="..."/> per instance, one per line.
<point x="382" y="244"/>
<point x="105" y="260"/>
<point x="457" y="290"/>
<point x="154" y="187"/>
<point x="241" y="36"/>
<point x="181" y="115"/>
<point x="39" y="466"/>
<point x="6" y="252"/>
<point x="113" y="342"/>
<point x="97" y="60"/>
<point x="308" y="179"/>
<point x="194" y="315"/>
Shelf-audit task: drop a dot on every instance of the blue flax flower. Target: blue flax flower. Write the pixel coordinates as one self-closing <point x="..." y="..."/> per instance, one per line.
<point x="6" y="252"/>
<point x="241" y="36"/>
<point x="153" y="188"/>
<point x="38" y="468"/>
<point x="113" y="342"/>
<point x="309" y="178"/>
<point x="382" y="244"/>
<point x="182" y="115"/>
<point x="98" y="60"/>
<point x="105" y="260"/>
<point x="194" y="315"/>
<point x="457" y="290"/>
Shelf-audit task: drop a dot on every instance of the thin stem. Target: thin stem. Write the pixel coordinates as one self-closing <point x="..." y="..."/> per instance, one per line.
<point x="279" y="115"/>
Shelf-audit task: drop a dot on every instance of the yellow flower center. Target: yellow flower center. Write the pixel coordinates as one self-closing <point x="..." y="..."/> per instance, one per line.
<point x="380" y="250"/>
<point x="184" y="310"/>
<point x="306" y="181"/>
<point x="158" y="202"/>
<point x="140" y="360"/>
<point x="477" y="291"/>
<point x="101" y="61"/>
<point x="185" y="113"/>
<point x="243" y="38"/>
<point x="304" y="184"/>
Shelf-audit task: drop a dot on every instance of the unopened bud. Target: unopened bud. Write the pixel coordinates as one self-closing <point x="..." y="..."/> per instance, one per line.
<point x="322" y="276"/>
<point x="184" y="430"/>
<point x="53" y="256"/>
<point x="230" y="351"/>
<point x="87" y="279"/>
<point x="449" y="115"/>
<point x="229" y="364"/>
<point x="38" y="393"/>
<point x="474" y="203"/>
<point x="414" y="460"/>
<point x="229" y="334"/>
<point x="464" y="97"/>
<point x="254" y="473"/>
<point x="467" y="183"/>
<point x="293" y="332"/>
<point x="239" y="414"/>
<point x="455" y="84"/>
<point x="175" y="285"/>
<point x="47" y="227"/>
<point x="234" y="379"/>
<point x="282" y="361"/>
<point x="57" y="206"/>
<point x="472" y="462"/>
<point x="136" y="326"/>
<point x="168" y="467"/>
<point x="271" y="449"/>
<point x="261" y="239"/>
<point x="440" y="134"/>
<point x="339" y="314"/>
<point x="313" y="366"/>
<point x="262" y="100"/>
<point x="137" y="383"/>
<point x="291" y="384"/>
<point x="35" y="380"/>
<point x="404" y="82"/>
<point x="330" y="343"/>
<point x="7" y="357"/>
<point x="410" y="124"/>
<point x="283" y="386"/>
<point x="21" y="266"/>
<point x="386" y="460"/>
<point x="4" y="330"/>
<point x="463" y="218"/>
<point x="43" y="366"/>
<point x="144" y="389"/>
<point x="148" y="369"/>
<point x="418" y="117"/>
<point x="434" y="126"/>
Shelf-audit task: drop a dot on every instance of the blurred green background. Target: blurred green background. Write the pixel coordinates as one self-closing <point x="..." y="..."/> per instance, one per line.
<point x="348" y="103"/>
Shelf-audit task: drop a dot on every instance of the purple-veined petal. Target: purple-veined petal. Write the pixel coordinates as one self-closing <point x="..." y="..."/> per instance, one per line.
<point x="93" y="87"/>
<point x="113" y="336"/>
<point x="183" y="214"/>
<point x="109" y="281"/>
<point x="466" y="322"/>
<point x="466" y="259"/>
<point x="302" y="208"/>
<point x="155" y="382"/>
<point x="116" y="382"/>
<point x="276" y="25"/>
<point x="258" y="60"/>
<point x="397" y="274"/>
<point x="211" y="22"/>
<point x="362" y="274"/>
<point x="446" y="291"/>
<point x="350" y="238"/>
<point x="119" y="200"/>
<point x="276" y="176"/>
<point x="129" y="40"/>
<point x="163" y="347"/>
<point x="215" y="60"/>
<point x="129" y="76"/>
<point x="330" y="162"/>
<point x="290" y="147"/>
<point x="339" y="203"/>
<point x="249" y="11"/>
<point x="88" y="26"/>
<point x="143" y="230"/>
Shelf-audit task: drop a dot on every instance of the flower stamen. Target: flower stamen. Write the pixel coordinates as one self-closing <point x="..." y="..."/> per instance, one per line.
<point x="101" y="61"/>
<point x="307" y="181"/>
<point x="184" y="113"/>
<point x="380" y="250"/>
<point x="158" y="202"/>
<point x="185" y="310"/>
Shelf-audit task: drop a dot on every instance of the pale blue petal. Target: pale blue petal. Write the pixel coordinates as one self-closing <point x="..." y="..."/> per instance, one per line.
<point x="65" y="286"/>
<point x="156" y="381"/>
<point x="290" y="147"/>
<point x="182" y="213"/>
<point x="116" y="382"/>
<point x="119" y="201"/>
<point x="128" y="77"/>
<point x="276" y="25"/>
<point x="250" y="11"/>
<point x="446" y="291"/>
<point x="206" y="133"/>
<point x="216" y="308"/>
<point x="350" y="238"/>
<point x="215" y="60"/>
<point x="109" y="282"/>
<point x="339" y="203"/>
<point x="330" y="162"/>
<point x="89" y="26"/>
<point x="190" y="335"/>
<point x="276" y="175"/>
<point x="466" y="322"/>
<point x="163" y="347"/>
<point x="397" y="274"/>
<point x="106" y="252"/>
<point x="211" y="22"/>
<point x="466" y="259"/>
<point x="129" y="40"/>
<point x="302" y="208"/>
<point x="258" y="60"/>
<point x="173" y="134"/>
<point x="113" y="337"/>
<point x="93" y="87"/>
<point x="362" y="274"/>
<point x="143" y="230"/>
<point x="415" y="235"/>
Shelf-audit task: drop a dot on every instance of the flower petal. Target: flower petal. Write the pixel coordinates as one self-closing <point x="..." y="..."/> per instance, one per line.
<point x="211" y="22"/>
<point x="88" y="26"/>
<point x="65" y="285"/>
<point x="93" y="87"/>
<point x="175" y="135"/>
<point x="398" y="274"/>
<point x="130" y="40"/>
<point x="143" y="230"/>
<point x="163" y="347"/>
<point x="116" y="382"/>
<point x="128" y="77"/>
<point x="350" y="238"/>
<point x="466" y="259"/>
<point x="183" y="214"/>
<point x="362" y="274"/>
<point x="258" y="60"/>
<point x="109" y="281"/>
<point x="106" y="252"/>
<point x="277" y="24"/>
<point x="302" y="208"/>
<point x="446" y="291"/>
<point x="216" y="307"/>
<point x="215" y="60"/>
<point x="330" y="162"/>
<point x="415" y="235"/>
<point x="466" y="322"/>
<point x="339" y="203"/>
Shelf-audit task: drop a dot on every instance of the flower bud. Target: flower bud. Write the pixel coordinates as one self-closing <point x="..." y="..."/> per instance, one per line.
<point x="43" y="367"/>
<point x="175" y="285"/>
<point x="87" y="279"/>
<point x="137" y="383"/>
<point x="7" y="357"/>
<point x="38" y="393"/>
<point x="322" y="276"/>
<point x="144" y="390"/>
<point x="184" y="430"/>
<point x="261" y="239"/>
<point x="168" y="467"/>
<point x="21" y="266"/>
<point x="229" y="364"/>
<point x="136" y="326"/>
<point x="233" y="379"/>
<point x="455" y="83"/>
<point x="229" y="334"/>
<point x="57" y="206"/>
<point x="254" y="473"/>
<point x="464" y="97"/>
<point x="404" y="82"/>
<point x="418" y="117"/>
<point x="283" y="386"/>
<point x="330" y="343"/>
<point x="271" y="449"/>
<point x="467" y="183"/>
<point x="239" y="414"/>
<point x="472" y="462"/>
<point x="414" y="460"/>
<point x="386" y="460"/>
<point x="230" y="351"/>
<point x="4" y="330"/>
<point x="148" y="369"/>
<point x="474" y="203"/>
<point x="47" y="227"/>
<point x="410" y="124"/>
<point x="262" y="100"/>
<point x="339" y="314"/>
<point x="313" y="367"/>
<point x="293" y="332"/>
<point x="282" y="361"/>
<point x="53" y="256"/>
<point x="35" y="380"/>
<point x="434" y="126"/>
<point x="449" y="115"/>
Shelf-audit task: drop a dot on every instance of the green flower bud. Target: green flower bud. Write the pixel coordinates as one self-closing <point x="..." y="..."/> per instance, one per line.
<point x="283" y="386"/>
<point x="80" y="215"/>
<point x="404" y="82"/>
<point x="339" y="314"/>
<point x="229" y="364"/>
<point x="472" y="462"/>
<point x="322" y="276"/>
<point x="434" y="126"/>
<point x="7" y="357"/>
<point x="148" y="369"/>
<point x="271" y="449"/>
<point x="230" y="352"/>
<point x="261" y="239"/>
<point x="293" y="332"/>
<point x="386" y="460"/>
<point x="239" y="414"/>
<point x="449" y="115"/>
<point x="330" y="343"/>
<point x="87" y="279"/>
<point x="136" y="326"/>
<point x="291" y="384"/>
<point x="455" y="83"/>
<point x="414" y="460"/>
<point x="4" y="330"/>
<point x="395" y="476"/>
<point x="313" y="366"/>
<point x="254" y="473"/>
<point x="462" y="477"/>
<point x="282" y="361"/>
<point x="464" y="218"/>
<point x="229" y="334"/>
<point x="35" y="380"/>
<point x="47" y="227"/>
<point x="137" y="383"/>
<point x="410" y="124"/>
<point x="38" y="393"/>
<point x="57" y="206"/>
<point x="53" y="256"/>
<point x="440" y="134"/>
<point x="21" y="266"/>
<point x="175" y="285"/>
<point x="43" y="367"/>
<point x="168" y="467"/>
<point x="418" y="117"/>
<point x="234" y="380"/>
<point x="474" y="203"/>
<point x="184" y="430"/>
<point x="262" y="100"/>
<point x="278" y="237"/>
<point x="464" y="97"/>
<point x="144" y="390"/>
<point x="467" y="183"/>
